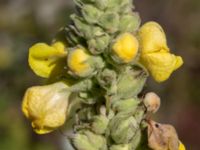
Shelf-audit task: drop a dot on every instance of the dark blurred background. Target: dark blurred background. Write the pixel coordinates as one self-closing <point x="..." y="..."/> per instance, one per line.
<point x="25" y="22"/>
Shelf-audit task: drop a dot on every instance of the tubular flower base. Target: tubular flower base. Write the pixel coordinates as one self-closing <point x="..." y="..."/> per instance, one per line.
<point x="107" y="60"/>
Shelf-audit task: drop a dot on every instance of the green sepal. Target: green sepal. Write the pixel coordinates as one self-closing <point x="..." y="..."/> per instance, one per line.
<point x="99" y="124"/>
<point x="85" y="30"/>
<point x="91" y="14"/>
<point x="120" y="6"/>
<point x="123" y="128"/>
<point x="128" y="106"/>
<point x="107" y="79"/>
<point x="136" y="140"/>
<point x="129" y="22"/>
<point x="130" y="83"/>
<point x="101" y="4"/>
<point x="109" y="21"/>
<point x="87" y="140"/>
<point x="98" y="44"/>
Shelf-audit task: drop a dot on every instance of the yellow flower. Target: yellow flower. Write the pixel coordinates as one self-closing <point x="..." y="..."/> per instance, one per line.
<point x="125" y="48"/>
<point x="155" y="54"/>
<point x="47" y="60"/>
<point x="181" y="146"/>
<point x="46" y="106"/>
<point x="152" y="38"/>
<point x="78" y="62"/>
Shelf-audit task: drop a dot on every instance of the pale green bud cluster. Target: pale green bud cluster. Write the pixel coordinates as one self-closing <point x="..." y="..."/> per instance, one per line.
<point x="99" y="21"/>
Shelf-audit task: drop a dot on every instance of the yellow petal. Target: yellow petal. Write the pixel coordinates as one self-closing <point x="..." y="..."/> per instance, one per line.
<point x="78" y="62"/>
<point x="152" y="38"/>
<point x="46" y="106"/>
<point x="59" y="46"/>
<point x="181" y="146"/>
<point x="126" y="47"/>
<point x="46" y="60"/>
<point x="161" y="65"/>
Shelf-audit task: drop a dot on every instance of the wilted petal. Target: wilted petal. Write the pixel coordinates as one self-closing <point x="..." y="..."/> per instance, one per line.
<point x="46" y="106"/>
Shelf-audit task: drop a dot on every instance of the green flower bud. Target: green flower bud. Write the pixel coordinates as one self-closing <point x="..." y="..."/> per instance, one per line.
<point x="123" y="128"/>
<point x="129" y="22"/>
<point x="91" y="14"/>
<point x="86" y="140"/>
<point x="136" y="140"/>
<point x="99" y="124"/>
<point x="101" y="4"/>
<point x="87" y="31"/>
<point x="119" y="5"/>
<point x="120" y="147"/>
<point x="130" y="83"/>
<point x="98" y="44"/>
<point x="107" y="79"/>
<point x="109" y="21"/>
<point x="126" y="106"/>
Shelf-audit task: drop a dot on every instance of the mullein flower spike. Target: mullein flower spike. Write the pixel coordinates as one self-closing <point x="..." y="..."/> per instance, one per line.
<point x="47" y="60"/>
<point x="101" y="62"/>
<point x="46" y="106"/>
<point x="155" y="54"/>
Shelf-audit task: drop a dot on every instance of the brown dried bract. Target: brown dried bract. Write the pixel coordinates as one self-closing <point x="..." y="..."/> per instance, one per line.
<point x="162" y="136"/>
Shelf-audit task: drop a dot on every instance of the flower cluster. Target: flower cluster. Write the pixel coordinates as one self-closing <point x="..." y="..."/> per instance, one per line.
<point x="98" y="65"/>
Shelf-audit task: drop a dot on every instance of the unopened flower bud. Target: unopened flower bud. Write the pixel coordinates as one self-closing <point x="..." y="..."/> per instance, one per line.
<point x="122" y="128"/>
<point x="152" y="102"/>
<point x="130" y="83"/>
<point x="98" y="44"/>
<point x="46" y="106"/>
<point x="109" y="21"/>
<point x="90" y="13"/>
<point x="99" y="124"/>
<point x="130" y="22"/>
<point x="87" y="140"/>
<point x="83" y="64"/>
<point x="126" y="106"/>
<point x="125" y="48"/>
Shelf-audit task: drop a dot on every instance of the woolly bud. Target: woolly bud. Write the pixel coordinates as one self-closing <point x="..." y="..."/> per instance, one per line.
<point x="122" y="129"/>
<point x="152" y="102"/>
<point x="99" y="124"/>
<point x="87" y="140"/>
